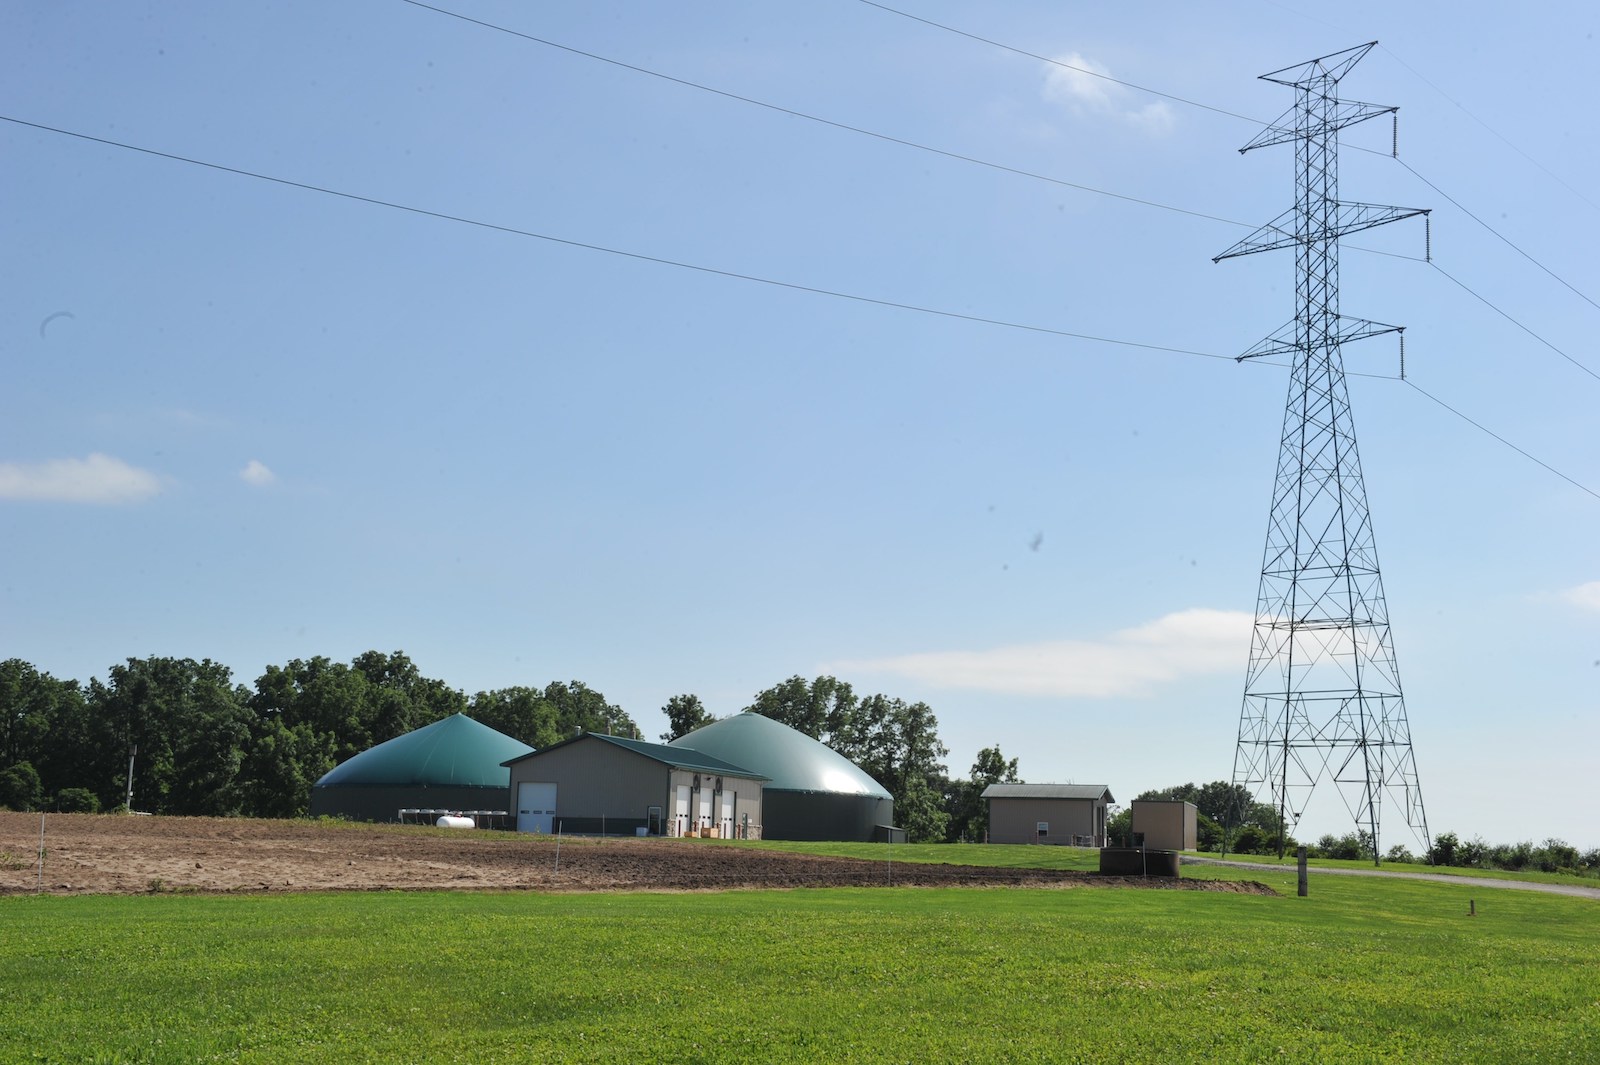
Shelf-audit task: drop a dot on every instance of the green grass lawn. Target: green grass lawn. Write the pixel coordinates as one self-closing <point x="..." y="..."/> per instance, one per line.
<point x="1363" y="970"/>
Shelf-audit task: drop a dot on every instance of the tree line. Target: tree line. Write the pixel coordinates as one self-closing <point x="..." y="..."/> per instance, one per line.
<point x="197" y="743"/>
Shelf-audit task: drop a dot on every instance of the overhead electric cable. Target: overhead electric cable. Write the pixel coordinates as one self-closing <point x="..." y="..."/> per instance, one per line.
<point x="1217" y="110"/>
<point x="792" y="113"/>
<point x="640" y="256"/>
<point x="660" y="261"/>
<point x="1058" y="63"/>
<point x="1485" y="429"/>
<point x="1481" y="299"/>
<point x="1557" y="178"/>
<point x="1507" y="240"/>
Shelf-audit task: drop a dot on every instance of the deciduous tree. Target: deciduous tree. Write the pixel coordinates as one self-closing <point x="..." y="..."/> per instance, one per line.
<point x="685" y="713"/>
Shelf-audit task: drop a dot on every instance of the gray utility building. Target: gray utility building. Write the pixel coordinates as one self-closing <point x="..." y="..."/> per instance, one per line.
<point x="1066" y="814"/>
<point x="812" y="792"/>
<point x="455" y="764"/>
<point x="595" y="783"/>
<point x="1167" y="824"/>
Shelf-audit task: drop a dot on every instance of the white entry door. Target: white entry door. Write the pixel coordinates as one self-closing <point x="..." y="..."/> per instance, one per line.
<point x="725" y="821"/>
<point x="536" y="807"/>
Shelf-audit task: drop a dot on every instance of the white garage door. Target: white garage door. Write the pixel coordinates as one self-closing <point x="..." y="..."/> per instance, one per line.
<point x="536" y="807"/>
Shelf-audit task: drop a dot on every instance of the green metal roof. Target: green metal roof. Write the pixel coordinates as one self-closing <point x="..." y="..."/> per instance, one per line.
<point x="454" y="751"/>
<point x="791" y="760"/>
<point x="676" y="757"/>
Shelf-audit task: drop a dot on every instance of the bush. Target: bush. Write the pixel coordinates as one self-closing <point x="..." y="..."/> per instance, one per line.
<point x="1507" y="856"/>
<point x="1247" y="840"/>
<point x="1350" y="846"/>
<point x="1443" y="851"/>
<point x="1556" y="856"/>
<point x="1399" y="853"/>
<point x="77" y="801"/>
<point x="19" y="787"/>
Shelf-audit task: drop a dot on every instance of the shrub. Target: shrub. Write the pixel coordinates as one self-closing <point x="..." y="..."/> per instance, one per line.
<point x="77" y="801"/>
<point x="1247" y="840"/>
<point x="19" y="787"/>
<point x="1556" y="856"/>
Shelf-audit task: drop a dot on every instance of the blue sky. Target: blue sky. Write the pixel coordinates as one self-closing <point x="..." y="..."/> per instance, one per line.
<point x="253" y="422"/>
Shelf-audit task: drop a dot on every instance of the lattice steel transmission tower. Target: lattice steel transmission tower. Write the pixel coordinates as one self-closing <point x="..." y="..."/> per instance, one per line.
<point x="1322" y="694"/>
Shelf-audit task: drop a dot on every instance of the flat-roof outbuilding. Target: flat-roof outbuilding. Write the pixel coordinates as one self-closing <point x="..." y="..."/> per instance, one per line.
<point x="1166" y="824"/>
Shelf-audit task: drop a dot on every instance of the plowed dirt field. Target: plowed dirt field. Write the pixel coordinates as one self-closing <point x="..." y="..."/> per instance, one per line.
<point x="119" y="854"/>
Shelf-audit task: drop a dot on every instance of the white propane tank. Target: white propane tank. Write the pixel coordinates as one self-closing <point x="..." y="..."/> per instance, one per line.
<point x="452" y="821"/>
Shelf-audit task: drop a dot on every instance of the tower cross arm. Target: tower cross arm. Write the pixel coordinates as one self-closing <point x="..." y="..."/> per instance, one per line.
<point x="1278" y="233"/>
<point x="1347" y="218"/>
<point x="1288" y="339"/>
<point x="1355" y="217"/>
<point x="1291" y="124"/>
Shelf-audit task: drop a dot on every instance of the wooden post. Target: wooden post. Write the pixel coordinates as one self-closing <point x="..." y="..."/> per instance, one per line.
<point x="1300" y="855"/>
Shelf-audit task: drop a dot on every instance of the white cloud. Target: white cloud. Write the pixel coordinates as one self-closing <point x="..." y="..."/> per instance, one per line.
<point x="96" y="479"/>
<point x="1586" y="596"/>
<point x="1129" y="662"/>
<point x="257" y="473"/>
<point x="1081" y="85"/>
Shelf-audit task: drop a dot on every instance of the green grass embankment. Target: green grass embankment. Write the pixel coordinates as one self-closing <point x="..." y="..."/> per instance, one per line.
<point x="1363" y="970"/>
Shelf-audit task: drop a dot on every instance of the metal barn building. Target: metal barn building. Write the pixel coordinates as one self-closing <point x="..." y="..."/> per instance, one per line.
<point x="594" y="783"/>
<point x="812" y="792"/>
<point x="453" y="764"/>
<point x="1066" y="814"/>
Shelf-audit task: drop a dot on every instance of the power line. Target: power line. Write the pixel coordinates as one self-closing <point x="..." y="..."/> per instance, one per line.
<point x="1217" y="110"/>
<point x="1503" y="237"/>
<point x="1484" y="429"/>
<point x="1481" y="299"/>
<point x="714" y="271"/>
<point x="1056" y="62"/>
<point x="945" y="153"/>
<point x="639" y="256"/>
<point x="1557" y="178"/>
<point x="792" y="113"/>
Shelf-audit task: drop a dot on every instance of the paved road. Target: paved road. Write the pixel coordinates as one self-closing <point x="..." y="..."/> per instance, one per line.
<point x="1438" y="878"/>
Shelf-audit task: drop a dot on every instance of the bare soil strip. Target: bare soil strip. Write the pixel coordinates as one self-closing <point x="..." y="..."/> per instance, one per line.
<point x="121" y="855"/>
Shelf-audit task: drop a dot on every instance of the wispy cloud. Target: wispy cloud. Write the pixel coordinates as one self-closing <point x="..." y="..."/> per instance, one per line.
<point x="256" y="472"/>
<point x="1080" y="84"/>
<point x="1586" y="596"/>
<point x="1127" y="662"/>
<point x="96" y="479"/>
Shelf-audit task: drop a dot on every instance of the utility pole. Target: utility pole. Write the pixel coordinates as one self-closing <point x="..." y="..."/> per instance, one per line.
<point x="1322" y="693"/>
